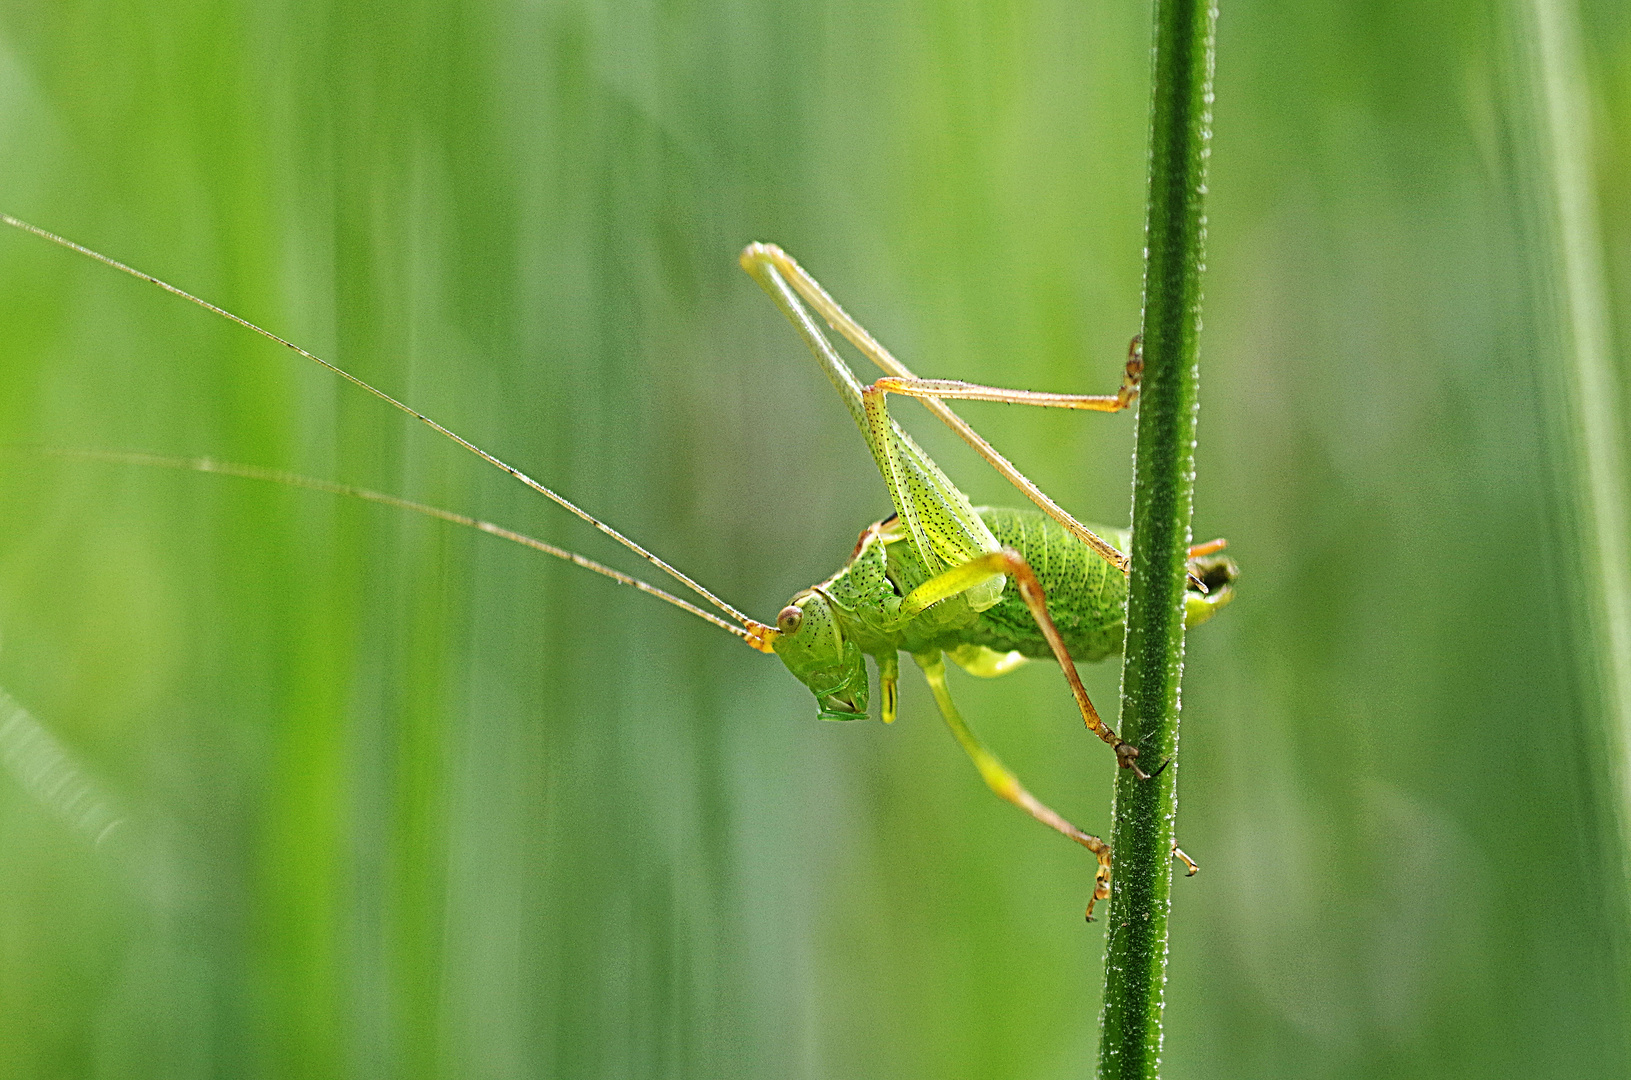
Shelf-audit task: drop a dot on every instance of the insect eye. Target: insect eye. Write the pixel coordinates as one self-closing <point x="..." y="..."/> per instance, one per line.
<point x="790" y="619"/>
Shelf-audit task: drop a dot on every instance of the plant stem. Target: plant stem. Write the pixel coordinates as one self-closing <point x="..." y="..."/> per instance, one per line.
<point x="1163" y="495"/>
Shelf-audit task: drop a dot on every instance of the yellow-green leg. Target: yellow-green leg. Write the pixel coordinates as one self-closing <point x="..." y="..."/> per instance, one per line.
<point x="1007" y="561"/>
<point x="1005" y="784"/>
<point x="956" y="388"/>
<point x="783" y="278"/>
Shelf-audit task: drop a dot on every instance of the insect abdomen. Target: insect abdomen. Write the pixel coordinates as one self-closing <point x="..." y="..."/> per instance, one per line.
<point x="1087" y="597"/>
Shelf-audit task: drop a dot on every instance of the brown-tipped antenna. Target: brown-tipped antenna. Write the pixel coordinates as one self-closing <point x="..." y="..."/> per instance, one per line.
<point x="558" y="500"/>
<point x="755" y="633"/>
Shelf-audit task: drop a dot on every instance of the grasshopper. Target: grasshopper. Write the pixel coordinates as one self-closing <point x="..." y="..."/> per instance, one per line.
<point x="989" y="587"/>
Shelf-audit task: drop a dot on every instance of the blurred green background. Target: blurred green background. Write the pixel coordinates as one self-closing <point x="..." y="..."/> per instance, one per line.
<point x="399" y="800"/>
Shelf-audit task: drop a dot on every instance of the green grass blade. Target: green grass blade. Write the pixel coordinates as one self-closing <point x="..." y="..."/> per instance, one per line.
<point x="1574" y="358"/>
<point x="1163" y="496"/>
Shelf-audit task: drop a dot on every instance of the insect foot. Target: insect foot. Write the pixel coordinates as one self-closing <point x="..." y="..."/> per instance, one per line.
<point x="1134" y="372"/>
<point x="1101" y="879"/>
<point x="1126" y="756"/>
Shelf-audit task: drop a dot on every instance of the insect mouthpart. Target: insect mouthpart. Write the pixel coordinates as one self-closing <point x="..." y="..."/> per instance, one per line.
<point x="836" y="708"/>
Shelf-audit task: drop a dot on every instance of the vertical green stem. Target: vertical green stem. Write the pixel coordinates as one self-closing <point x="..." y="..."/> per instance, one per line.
<point x="1163" y="489"/>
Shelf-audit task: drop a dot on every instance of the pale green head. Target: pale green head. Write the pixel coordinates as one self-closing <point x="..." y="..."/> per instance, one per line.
<point x="813" y="646"/>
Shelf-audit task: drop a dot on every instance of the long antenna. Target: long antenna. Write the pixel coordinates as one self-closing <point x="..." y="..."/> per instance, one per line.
<point x="278" y="476"/>
<point x="754" y="628"/>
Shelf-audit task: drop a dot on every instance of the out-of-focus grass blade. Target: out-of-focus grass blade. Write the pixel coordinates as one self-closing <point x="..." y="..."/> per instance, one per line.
<point x="1575" y="363"/>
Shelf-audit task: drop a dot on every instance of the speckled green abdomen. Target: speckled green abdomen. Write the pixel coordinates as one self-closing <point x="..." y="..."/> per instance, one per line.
<point x="1087" y="597"/>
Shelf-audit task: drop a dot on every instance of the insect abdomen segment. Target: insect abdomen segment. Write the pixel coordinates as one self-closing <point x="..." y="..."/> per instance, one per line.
<point x="1087" y="597"/>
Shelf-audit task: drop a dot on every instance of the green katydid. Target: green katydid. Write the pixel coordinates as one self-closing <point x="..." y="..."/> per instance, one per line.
<point x="991" y="588"/>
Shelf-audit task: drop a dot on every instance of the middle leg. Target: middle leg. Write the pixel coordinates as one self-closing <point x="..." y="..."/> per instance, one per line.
<point x="1007" y="561"/>
<point x="1006" y="785"/>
